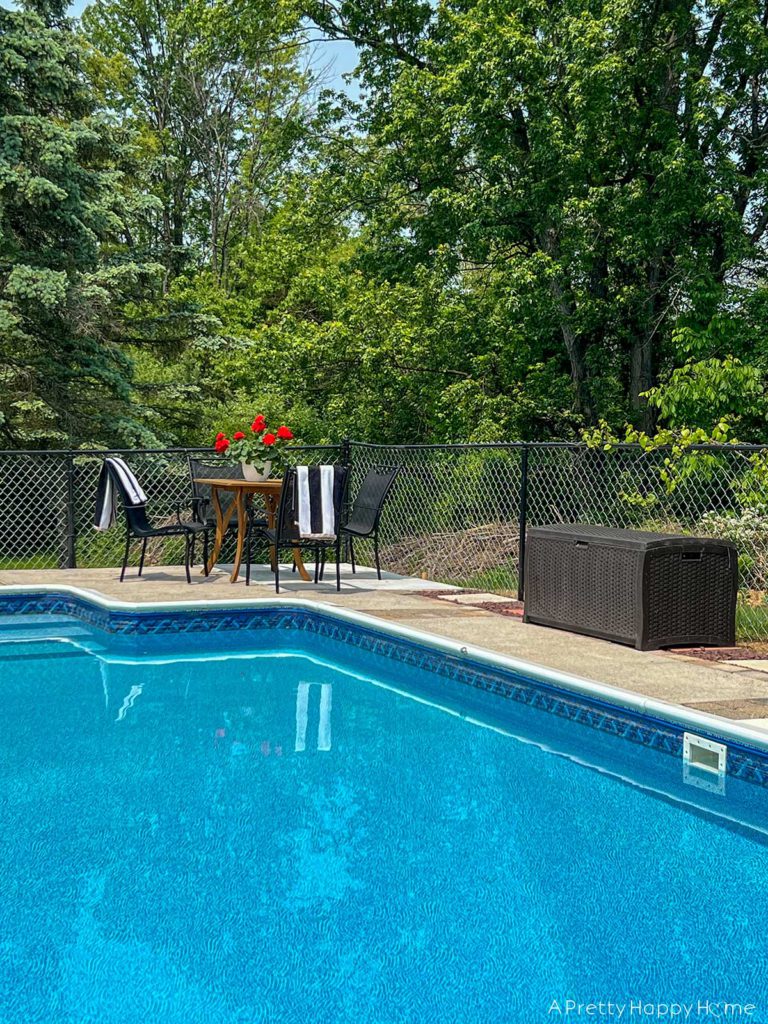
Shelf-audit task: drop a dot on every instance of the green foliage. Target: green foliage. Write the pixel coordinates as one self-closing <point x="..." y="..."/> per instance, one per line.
<point x="534" y="218"/>
<point x="699" y="391"/>
<point x="597" y="169"/>
<point x="64" y="265"/>
<point x="213" y="92"/>
<point x="681" y="460"/>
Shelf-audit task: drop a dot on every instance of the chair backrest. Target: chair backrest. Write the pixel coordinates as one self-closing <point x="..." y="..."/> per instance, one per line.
<point x="285" y="522"/>
<point x="210" y="471"/>
<point x="135" y="514"/>
<point x="369" y="501"/>
<point x="287" y="516"/>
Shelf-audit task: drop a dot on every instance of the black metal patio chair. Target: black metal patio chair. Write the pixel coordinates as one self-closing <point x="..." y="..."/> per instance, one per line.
<point x="365" y="514"/>
<point x="202" y="504"/>
<point x="139" y="527"/>
<point x="286" y="532"/>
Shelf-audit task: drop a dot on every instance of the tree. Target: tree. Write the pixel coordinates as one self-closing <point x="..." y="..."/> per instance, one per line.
<point x="215" y="91"/>
<point x="605" y="160"/>
<point x="65" y="262"/>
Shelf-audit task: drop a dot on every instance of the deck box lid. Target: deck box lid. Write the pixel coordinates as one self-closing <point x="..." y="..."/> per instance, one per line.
<point x="635" y="539"/>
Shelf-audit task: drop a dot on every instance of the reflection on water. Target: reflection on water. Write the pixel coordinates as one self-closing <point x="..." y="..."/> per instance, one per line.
<point x="302" y="715"/>
<point x="240" y="729"/>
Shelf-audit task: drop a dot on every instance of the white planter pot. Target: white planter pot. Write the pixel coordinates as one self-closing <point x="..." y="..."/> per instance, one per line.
<point x="256" y="471"/>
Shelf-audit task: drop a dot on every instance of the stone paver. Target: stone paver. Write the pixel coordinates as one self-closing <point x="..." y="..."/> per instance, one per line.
<point x="754" y="709"/>
<point x="685" y="680"/>
<point x="474" y="598"/>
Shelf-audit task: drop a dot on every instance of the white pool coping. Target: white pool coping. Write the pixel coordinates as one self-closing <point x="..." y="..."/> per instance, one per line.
<point x="689" y="718"/>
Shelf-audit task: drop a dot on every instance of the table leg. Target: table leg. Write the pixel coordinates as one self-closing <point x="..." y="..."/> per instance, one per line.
<point x="221" y="528"/>
<point x="299" y="563"/>
<point x="241" y="529"/>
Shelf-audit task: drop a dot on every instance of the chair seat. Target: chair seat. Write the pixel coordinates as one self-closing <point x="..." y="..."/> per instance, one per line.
<point x="356" y="531"/>
<point x="291" y="542"/>
<point x="171" y="530"/>
<point x="211" y="524"/>
<point x="195" y="527"/>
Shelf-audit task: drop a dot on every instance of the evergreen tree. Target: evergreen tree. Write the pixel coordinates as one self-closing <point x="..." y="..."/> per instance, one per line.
<point x="66" y="267"/>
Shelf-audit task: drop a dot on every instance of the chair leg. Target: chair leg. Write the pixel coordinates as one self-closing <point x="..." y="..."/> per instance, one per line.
<point x="143" y="553"/>
<point x="125" y="556"/>
<point x="277" y="570"/>
<point x="376" y="553"/>
<point x="317" y="563"/>
<point x="352" y="555"/>
<point x="338" y="563"/>
<point x="186" y="557"/>
<point x="205" y="552"/>
<point x="193" y="547"/>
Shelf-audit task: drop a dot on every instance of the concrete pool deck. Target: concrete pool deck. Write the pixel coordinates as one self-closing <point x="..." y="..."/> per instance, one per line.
<point x="737" y="690"/>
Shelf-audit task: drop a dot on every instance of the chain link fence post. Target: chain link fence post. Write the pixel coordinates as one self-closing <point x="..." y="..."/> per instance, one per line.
<point x="522" y="521"/>
<point x="71" y="515"/>
<point x="345" y="457"/>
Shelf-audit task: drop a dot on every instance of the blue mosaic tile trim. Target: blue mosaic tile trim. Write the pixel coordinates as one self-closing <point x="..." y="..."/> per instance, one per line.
<point x="54" y="604"/>
<point x="745" y="766"/>
<point x="657" y="734"/>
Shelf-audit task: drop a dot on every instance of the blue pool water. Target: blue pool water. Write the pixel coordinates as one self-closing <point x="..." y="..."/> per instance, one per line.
<point x="268" y="836"/>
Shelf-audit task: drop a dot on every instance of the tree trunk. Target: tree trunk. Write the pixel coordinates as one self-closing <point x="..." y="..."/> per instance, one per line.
<point x="576" y="351"/>
<point x="641" y="377"/>
<point x="575" y="345"/>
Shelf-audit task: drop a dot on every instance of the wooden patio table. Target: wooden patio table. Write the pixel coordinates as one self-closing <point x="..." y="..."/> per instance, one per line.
<point x="240" y="489"/>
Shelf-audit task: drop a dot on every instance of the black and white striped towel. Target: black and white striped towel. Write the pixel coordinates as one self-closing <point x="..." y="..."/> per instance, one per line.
<point x="319" y="491"/>
<point x="111" y="470"/>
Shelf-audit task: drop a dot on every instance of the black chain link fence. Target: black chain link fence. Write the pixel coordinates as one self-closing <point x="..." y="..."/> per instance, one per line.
<point x="457" y="513"/>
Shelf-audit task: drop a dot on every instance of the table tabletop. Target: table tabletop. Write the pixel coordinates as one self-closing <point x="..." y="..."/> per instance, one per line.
<point x="240" y="485"/>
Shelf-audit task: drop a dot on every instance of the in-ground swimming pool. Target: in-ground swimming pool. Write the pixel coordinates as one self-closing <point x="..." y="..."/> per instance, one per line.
<point x="273" y="814"/>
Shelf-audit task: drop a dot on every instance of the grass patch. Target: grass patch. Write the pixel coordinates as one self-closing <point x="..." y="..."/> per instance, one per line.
<point x="751" y="621"/>
<point x="498" y="581"/>
<point x="39" y="560"/>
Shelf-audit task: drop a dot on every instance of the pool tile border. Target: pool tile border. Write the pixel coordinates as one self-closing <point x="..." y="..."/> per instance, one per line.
<point x="637" y="727"/>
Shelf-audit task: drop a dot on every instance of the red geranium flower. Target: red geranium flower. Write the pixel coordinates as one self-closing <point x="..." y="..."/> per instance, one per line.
<point x="269" y="439"/>
<point x="220" y="435"/>
<point x="258" y="424"/>
<point x="222" y="444"/>
<point x="284" y="434"/>
<point x="238" y="436"/>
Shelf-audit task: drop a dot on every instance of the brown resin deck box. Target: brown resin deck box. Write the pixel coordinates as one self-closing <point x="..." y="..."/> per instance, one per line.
<point x="649" y="590"/>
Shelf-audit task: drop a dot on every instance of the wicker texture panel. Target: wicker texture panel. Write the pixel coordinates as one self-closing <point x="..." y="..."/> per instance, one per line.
<point x="690" y="599"/>
<point x="566" y="585"/>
